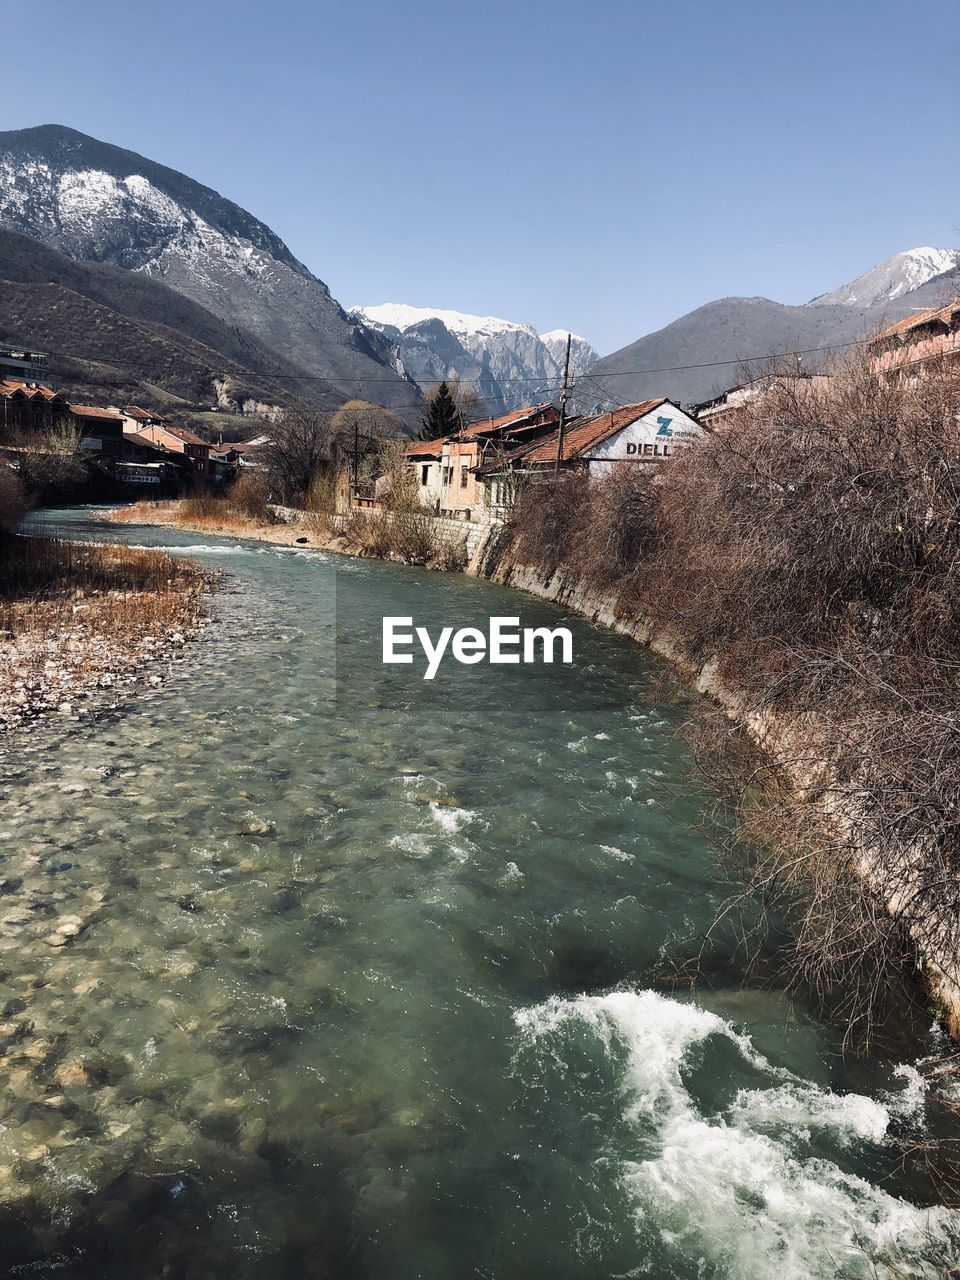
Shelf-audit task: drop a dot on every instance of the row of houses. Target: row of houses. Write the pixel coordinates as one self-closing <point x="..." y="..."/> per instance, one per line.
<point x="473" y="473"/>
<point x="134" y="445"/>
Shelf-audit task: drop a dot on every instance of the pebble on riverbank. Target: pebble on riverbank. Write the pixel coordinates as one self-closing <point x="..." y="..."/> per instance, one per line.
<point x="48" y="669"/>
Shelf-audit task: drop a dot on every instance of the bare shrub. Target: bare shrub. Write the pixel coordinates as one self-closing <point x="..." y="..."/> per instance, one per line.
<point x="321" y="506"/>
<point x="13" y="499"/>
<point x="620" y="526"/>
<point x="412" y="536"/>
<point x="548" y="519"/>
<point x="249" y="496"/>
<point x="397" y="482"/>
<point x="209" y="508"/>
<point x="50" y="462"/>
<point x="451" y="555"/>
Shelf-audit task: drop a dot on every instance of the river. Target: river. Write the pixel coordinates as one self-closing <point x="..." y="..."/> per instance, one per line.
<point x="372" y="978"/>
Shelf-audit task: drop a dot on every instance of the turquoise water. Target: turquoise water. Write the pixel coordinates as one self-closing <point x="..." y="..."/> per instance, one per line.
<point x="371" y="979"/>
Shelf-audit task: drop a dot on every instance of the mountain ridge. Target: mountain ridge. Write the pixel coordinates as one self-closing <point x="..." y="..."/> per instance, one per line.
<point x="721" y="343"/>
<point x="118" y="334"/>
<point x="96" y="202"/>
<point x="509" y="362"/>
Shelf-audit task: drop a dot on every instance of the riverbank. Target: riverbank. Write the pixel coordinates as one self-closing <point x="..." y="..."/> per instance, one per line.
<point x="82" y="624"/>
<point x="296" y="529"/>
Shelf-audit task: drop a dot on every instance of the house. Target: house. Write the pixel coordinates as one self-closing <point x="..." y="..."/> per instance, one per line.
<point x="910" y="347"/>
<point x="424" y="456"/>
<point x="646" y="433"/>
<point x="242" y="452"/>
<point x="168" y="439"/>
<point x="29" y="406"/>
<point x="101" y="429"/>
<point x="446" y="469"/>
<point x="725" y="408"/>
<point x="20" y="363"/>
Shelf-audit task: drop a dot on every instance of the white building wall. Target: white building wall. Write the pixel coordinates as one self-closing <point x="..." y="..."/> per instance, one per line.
<point x="654" y="437"/>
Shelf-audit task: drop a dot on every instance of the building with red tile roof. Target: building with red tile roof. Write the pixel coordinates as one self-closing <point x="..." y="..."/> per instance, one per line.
<point x="446" y="469"/>
<point x="174" y="440"/>
<point x="650" y="432"/>
<point x="911" y="346"/>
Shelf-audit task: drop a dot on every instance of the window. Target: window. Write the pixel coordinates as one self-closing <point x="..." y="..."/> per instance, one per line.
<point x="425" y="473"/>
<point x="463" y="476"/>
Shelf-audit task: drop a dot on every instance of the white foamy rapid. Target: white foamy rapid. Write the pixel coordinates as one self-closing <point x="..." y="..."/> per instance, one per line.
<point x="449" y="818"/>
<point x="743" y="1192"/>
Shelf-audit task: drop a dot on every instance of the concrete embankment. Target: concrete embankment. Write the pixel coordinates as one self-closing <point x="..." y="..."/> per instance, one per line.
<point x="911" y="890"/>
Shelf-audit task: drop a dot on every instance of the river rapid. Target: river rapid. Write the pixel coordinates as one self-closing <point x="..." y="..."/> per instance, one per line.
<point x="364" y="979"/>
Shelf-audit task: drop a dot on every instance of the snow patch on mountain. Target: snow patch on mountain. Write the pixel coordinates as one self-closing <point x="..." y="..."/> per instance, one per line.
<point x="399" y="315"/>
<point x="893" y="278"/>
<point x="96" y="203"/>
<point x="509" y="364"/>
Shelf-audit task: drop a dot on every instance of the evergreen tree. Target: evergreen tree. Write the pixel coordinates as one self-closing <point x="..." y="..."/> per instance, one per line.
<point x="441" y="415"/>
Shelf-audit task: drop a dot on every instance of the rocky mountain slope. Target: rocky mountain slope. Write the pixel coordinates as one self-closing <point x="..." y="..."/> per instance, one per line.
<point x="121" y="335"/>
<point x="900" y="274"/>
<point x="711" y="348"/>
<point x="96" y="202"/>
<point x="510" y="364"/>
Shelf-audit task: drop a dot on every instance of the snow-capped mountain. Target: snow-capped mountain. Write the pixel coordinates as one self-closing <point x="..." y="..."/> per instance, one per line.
<point x="582" y="353"/>
<point x="509" y="363"/>
<point x="893" y="278"/>
<point x="96" y="202"/>
<point x="716" y="346"/>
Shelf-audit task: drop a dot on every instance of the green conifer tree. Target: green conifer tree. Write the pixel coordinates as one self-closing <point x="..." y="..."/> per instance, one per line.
<point x="441" y="415"/>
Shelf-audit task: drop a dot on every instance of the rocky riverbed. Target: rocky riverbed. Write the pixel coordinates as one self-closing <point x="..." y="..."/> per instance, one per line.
<point x="79" y="629"/>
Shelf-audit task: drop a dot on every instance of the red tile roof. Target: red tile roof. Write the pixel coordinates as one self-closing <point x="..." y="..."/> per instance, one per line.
<point x="9" y="386"/>
<point x="243" y="446"/>
<point x="518" y="420"/>
<point x="142" y="415"/>
<point x="942" y="314"/>
<point x="426" y="448"/>
<point x="583" y="434"/>
<point x="187" y="436"/>
<point x="95" y="411"/>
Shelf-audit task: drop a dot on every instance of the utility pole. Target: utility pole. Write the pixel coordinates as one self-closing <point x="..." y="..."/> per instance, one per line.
<point x="563" y="407"/>
<point x="356" y="460"/>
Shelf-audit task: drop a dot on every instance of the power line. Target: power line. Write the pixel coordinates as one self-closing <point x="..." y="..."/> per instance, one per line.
<point x="475" y="382"/>
<point x="620" y="373"/>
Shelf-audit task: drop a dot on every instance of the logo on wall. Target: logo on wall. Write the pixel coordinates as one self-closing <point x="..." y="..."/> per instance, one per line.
<point x="663" y="427"/>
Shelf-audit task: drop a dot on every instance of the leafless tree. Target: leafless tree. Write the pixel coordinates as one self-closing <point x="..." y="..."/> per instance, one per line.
<point x="299" y="451"/>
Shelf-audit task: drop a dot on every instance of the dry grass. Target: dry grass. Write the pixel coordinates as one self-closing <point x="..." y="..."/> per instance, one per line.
<point x="76" y="617"/>
<point x="208" y="512"/>
<point x="413" y="536"/>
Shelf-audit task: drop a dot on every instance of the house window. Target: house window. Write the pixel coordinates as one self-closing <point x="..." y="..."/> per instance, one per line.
<point x="463" y="477"/>
<point x="425" y="473"/>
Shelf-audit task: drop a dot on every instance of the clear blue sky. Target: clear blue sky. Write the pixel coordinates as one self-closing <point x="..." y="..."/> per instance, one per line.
<point x="601" y="165"/>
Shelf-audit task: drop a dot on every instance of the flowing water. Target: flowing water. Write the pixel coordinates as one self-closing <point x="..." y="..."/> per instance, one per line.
<point x="370" y="981"/>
